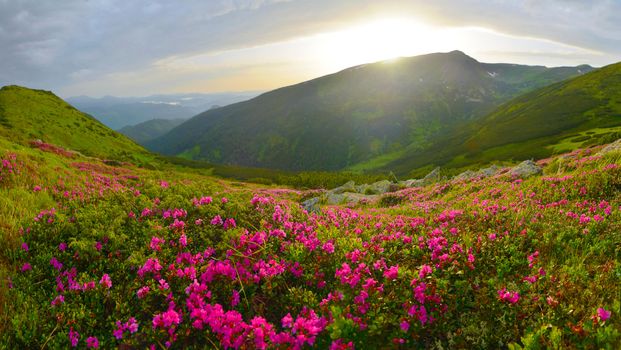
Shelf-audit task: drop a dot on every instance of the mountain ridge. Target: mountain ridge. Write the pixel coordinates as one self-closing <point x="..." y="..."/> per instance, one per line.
<point x="354" y="115"/>
<point x="149" y="130"/>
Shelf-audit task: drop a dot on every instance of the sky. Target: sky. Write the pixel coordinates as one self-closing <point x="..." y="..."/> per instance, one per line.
<point x="138" y="48"/>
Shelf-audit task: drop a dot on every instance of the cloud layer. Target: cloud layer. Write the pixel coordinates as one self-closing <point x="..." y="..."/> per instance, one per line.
<point x="75" y="45"/>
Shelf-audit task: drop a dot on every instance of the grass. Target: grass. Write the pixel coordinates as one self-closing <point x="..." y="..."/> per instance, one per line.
<point x="590" y="137"/>
<point x="27" y="115"/>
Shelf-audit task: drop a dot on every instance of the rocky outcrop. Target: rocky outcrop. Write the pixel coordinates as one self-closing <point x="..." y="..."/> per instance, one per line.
<point x="348" y="198"/>
<point x="481" y="173"/>
<point x="347" y="187"/>
<point x="526" y="169"/>
<point x="615" y="146"/>
<point x="350" y="193"/>
<point x="379" y="187"/>
<point x="311" y="205"/>
<point x="433" y="177"/>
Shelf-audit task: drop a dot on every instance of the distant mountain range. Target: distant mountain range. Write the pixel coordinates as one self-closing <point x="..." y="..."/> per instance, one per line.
<point x="363" y="118"/>
<point x="149" y="130"/>
<point x="118" y="112"/>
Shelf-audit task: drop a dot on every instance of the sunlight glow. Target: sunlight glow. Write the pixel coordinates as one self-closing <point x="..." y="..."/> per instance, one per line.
<point x="376" y="41"/>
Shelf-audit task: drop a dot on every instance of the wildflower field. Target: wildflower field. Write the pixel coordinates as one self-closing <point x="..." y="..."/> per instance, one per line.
<point x="96" y="255"/>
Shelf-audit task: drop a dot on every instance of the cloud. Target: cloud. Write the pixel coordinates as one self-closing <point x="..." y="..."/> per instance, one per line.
<point x="58" y="44"/>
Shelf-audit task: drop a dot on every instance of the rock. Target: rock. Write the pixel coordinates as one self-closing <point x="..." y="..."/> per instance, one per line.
<point x="311" y="205"/>
<point x="348" y="198"/>
<point x="379" y="187"/>
<point x="526" y="169"/>
<point x="413" y="183"/>
<point x="615" y="146"/>
<point x="347" y="187"/>
<point x="335" y="198"/>
<point x="433" y="176"/>
<point x="490" y="171"/>
<point x="362" y="188"/>
<point x="469" y="174"/>
<point x="394" y="187"/>
<point x="466" y="175"/>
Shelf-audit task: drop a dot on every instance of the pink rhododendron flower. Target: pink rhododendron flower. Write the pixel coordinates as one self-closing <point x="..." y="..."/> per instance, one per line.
<point x="167" y="319"/>
<point x="424" y="271"/>
<point x="142" y="292"/>
<point x="74" y="337"/>
<point x="392" y="272"/>
<point x="56" y="264"/>
<point x="603" y="314"/>
<point x="229" y="223"/>
<point x="217" y="220"/>
<point x="328" y="247"/>
<point x="508" y="296"/>
<point x="183" y="240"/>
<point x="106" y="281"/>
<point x="287" y="321"/>
<point x="58" y="300"/>
<point x="92" y="343"/>
<point x="234" y="298"/>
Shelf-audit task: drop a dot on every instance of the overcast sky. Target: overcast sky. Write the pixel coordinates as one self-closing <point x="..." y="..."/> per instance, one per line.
<point x="134" y="48"/>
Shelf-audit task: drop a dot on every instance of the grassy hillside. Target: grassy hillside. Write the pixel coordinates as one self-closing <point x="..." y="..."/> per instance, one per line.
<point x="27" y="115"/>
<point x="592" y="100"/>
<point x="579" y="112"/>
<point x="150" y="129"/>
<point x="124" y="257"/>
<point x="356" y="115"/>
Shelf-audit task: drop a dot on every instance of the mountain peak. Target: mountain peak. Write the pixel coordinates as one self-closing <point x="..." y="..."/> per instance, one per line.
<point x="351" y="115"/>
<point x="460" y="55"/>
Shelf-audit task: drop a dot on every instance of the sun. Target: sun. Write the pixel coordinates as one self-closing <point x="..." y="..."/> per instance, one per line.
<point x="373" y="41"/>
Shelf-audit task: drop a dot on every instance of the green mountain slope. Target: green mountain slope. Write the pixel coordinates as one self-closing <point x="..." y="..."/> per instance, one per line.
<point x="27" y="115"/>
<point x="356" y="115"/>
<point x="579" y="112"/>
<point x="149" y="130"/>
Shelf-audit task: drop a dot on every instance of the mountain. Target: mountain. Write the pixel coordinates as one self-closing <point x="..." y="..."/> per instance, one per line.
<point x="575" y="113"/>
<point x="372" y="113"/>
<point x="27" y="115"/>
<point x="117" y="112"/>
<point x="149" y="130"/>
